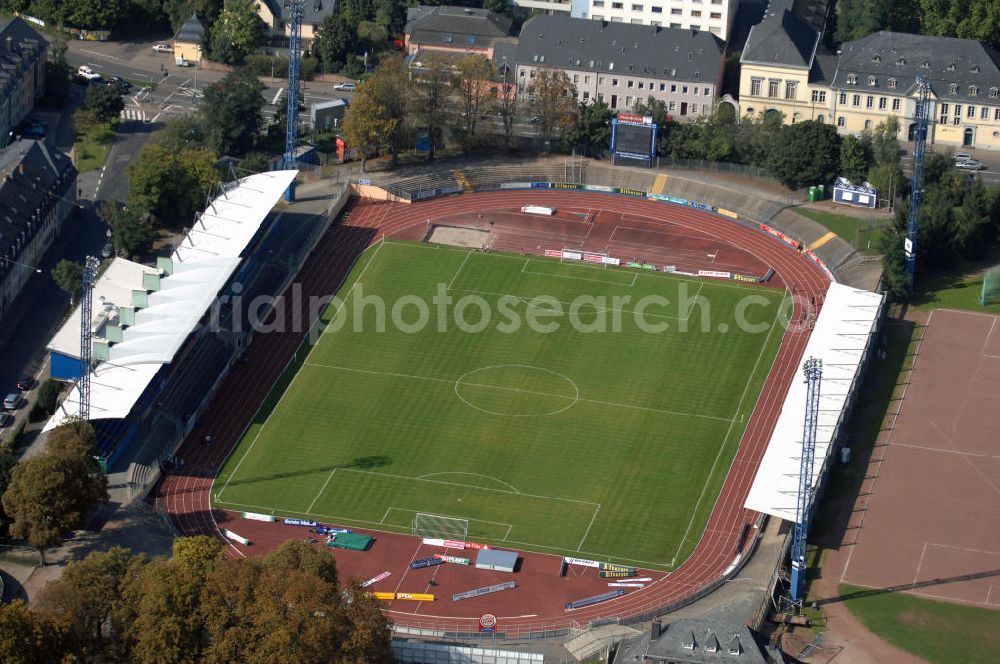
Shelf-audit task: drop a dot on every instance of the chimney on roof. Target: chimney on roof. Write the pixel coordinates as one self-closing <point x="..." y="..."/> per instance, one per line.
<point x="654" y="630"/>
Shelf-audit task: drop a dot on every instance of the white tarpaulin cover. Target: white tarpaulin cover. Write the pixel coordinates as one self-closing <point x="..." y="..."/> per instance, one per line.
<point x="839" y="338"/>
<point x="202" y="265"/>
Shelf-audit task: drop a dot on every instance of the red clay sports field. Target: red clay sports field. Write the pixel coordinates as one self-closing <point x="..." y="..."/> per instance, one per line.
<point x="622" y="226"/>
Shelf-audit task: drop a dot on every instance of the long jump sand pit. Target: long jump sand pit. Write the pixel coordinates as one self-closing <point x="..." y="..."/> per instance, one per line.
<point x="928" y="516"/>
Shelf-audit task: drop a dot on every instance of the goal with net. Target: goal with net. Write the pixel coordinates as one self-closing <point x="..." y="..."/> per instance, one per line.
<point x="437" y="526"/>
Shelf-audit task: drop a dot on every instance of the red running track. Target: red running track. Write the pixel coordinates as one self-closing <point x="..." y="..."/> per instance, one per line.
<point x="537" y="603"/>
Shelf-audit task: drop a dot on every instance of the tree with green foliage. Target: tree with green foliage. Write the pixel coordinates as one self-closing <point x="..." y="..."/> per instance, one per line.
<point x="474" y="80"/>
<point x="57" y="80"/>
<point x="131" y="230"/>
<point x="104" y="102"/>
<point x="48" y="397"/>
<point x="96" y="14"/>
<point x="29" y="638"/>
<point x="590" y="133"/>
<point x="68" y="275"/>
<point x="171" y="183"/>
<point x="507" y="103"/>
<point x="254" y="162"/>
<point x="198" y="555"/>
<point x="805" y="153"/>
<point x="54" y="492"/>
<point x="656" y="109"/>
<point x="374" y="121"/>
<point x="335" y="41"/>
<point x="232" y="113"/>
<point x="858" y="18"/>
<point x="184" y="131"/>
<point x="552" y="99"/>
<point x="391" y="14"/>
<point x="853" y="161"/>
<point x="8" y="459"/>
<point x="178" y="11"/>
<point x="236" y="33"/>
<point x="430" y="96"/>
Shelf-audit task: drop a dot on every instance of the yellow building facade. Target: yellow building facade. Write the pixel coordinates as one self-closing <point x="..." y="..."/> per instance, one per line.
<point x="872" y="79"/>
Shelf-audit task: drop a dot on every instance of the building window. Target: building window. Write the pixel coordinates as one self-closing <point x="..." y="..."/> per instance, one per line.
<point x="840" y="121"/>
<point x="852" y="79"/>
<point x="973" y="90"/>
<point x="790" y="89"/>
<point x="872" y="80"/>
<point x="892" y="84"/>
<point x="673" y="88"/>
<point x="821" y="119"/>
<point x="657" y="10"/>
<point x="956" y="121"/>
<point x="600" y="97"/>
<point x="970" y="112"/>
<point x="631" y="83"/>
<point x="994" y="93"/>
<point x="944" y="119"/>
<point x="772" y="88"/>
<point x="855" y="100"/>
<point x="869" y="102"/>
<point x="674" y="11"/>
<point x="755" y="84"/>
<point x="628" y="101"/>
<point x="586" y="79"/>
<point x="842" y="98"/>
<point x="868" y="124"/>
<point x="576" y="78"/>
<point x="819" y="96"/>
<point x="953" y="89"/>
<point x="598" y="3"/>
<point x="586" y="95"/>
<point x="716" y="15"/>
<point x="616" y="5"/>
<point x="672" y="106"/>
<point x="706" y="92"/>
<point x="984" y="114"/>
<point x="637" y="8"/>
<point x="694" y="91"/>
<point x="895" y="104"/>
<point x="944" y="109"/>
<point x="951" y="66"/>
<point x="958" y="110"/>
<point x="684" y="89"/>
<point x="614" y="82"/>
<point x="996" y="114"/>
<point x="695" y="13"/>
<point x="882" y="103"/>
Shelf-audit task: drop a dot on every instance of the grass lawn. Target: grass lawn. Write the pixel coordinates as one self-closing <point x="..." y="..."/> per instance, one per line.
<point x="862" y="234"/>
<point x="93" y="145"/>
<point x="937" y="631"/>
<point x="545" y="432"/>
<point x="950" y="291"/>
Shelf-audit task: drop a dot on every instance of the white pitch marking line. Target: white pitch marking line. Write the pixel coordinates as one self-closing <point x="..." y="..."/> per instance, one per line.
<point x="325" y="484"/>
<point x="920" y="563"/>
<point x="739" y="404"/>
<point x="589" y="526"/>
<point x="522" y="391"/>
<point x="986" y="342"/>
<point x="458" y="271"/>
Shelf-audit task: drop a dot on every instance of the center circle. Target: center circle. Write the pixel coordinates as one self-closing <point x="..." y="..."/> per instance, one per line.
<point x="517" y="390"/>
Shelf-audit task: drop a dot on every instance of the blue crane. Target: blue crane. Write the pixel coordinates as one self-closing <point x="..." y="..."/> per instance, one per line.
<point x="90" y="266"/>
<point x="813" y="370"/>
<point x="917" y="191"/>
<point x="295" y="10"/>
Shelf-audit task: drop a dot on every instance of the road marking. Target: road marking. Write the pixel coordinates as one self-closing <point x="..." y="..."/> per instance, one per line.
<point x="823" y="240"/>
<point x="277" y="96"/>
<point x="100" y="55"/>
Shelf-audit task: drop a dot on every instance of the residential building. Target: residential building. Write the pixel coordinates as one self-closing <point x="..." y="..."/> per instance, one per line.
<point x="187" y="42"/>
<point x="620" y="64"/>
<point x="715" y="16"/>
<point x="455" y="30"/>
<point x="784" y="69"/>
<point x="695" y="642"/>
<point x="22" y="74"/>
<point x="37" y="194"/>
<point x="274" y="14"/>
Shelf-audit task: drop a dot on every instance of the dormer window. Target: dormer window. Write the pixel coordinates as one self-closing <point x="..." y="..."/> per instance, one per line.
<point x="852" y="79"/>
<point x="973" y="90"/>
<point x="900" y="62"/>
<point x="953" y="89"/>
<point x="951" y="66"/>
<point x="974" y="69"/>
<point x="925" y="65"/>
<point x="876" y="58"/>
<point x="892" y="84"/>
<point x="994" y="93"/>
<point x="871" y="80"/>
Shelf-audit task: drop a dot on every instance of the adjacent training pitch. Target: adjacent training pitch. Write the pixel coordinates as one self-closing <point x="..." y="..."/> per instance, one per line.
<point x="602" y="444"/>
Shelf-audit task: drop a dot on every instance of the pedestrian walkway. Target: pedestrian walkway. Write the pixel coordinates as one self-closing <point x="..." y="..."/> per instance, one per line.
<point x="133" y="114"/>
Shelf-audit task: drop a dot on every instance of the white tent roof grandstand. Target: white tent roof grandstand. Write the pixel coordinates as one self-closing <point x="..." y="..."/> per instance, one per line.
<point x="839" y="338"/>
<point x="201" y="266"/>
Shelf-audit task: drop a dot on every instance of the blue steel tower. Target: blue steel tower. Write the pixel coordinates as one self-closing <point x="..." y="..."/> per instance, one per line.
<point x="917" y="191"/>
<point x="813" y="370"/>
<point x="86" y="334"/>
<point x="295" y="9"/>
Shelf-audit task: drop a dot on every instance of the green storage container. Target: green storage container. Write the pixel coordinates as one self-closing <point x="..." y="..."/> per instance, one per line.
<point x="813" y="195"/>
<point x="821" y="191"/>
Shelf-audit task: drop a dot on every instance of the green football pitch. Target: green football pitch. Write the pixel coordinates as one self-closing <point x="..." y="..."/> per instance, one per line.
<point x="560" y="408"/>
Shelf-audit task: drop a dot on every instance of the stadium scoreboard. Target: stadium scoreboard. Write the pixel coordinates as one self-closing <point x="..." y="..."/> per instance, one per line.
<point x="633" y="139"/>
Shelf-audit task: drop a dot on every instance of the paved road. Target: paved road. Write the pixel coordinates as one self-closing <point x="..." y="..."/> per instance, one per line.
<point x="990" y="158"/>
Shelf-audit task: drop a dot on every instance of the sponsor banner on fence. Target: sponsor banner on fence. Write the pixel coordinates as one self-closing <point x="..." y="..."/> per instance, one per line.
<point x="614" y="584"/>
<point x="669" y="268"/>
<point x="565" y="185"/>
<point x="593" y="258"/>
<point x="433" y="541"/>
<point x="714" y="273"/>
<point x="336" y="531"/>
<point x="612" y="261"/>
<point x="745" y="278"/>
<point x="727" y="213"/>
<point x="253" y="516"/>
<point x="582" y="561"/>
<point x="434" y="193"/>
<point x="778" y="234"/>
<point x="379" y="595"/>
<point x="454" y="544"/>
<point x="599" y="187"/>
<point x="416" y="597"/>
<point x="487" y="623"/>
<point x="668" y="199"/>
<point x="376" y="579"/>
<point x="364" y="181"/>
<point x="700" y="206"/>
<point x="300" y="522"/>
<point x="572" y="255"/>
<point x="540" y="185"/>
<point x="554" y="253"/>
<point x="236" y="538"/>
<point x="452" y="559"/>
<point x="517" y="185"/>
<point x="630" y="192"/>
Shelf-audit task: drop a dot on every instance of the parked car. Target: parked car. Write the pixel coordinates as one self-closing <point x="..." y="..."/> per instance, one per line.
<point x="962" y="156"/>
<point x="32" y="129"/>
<point x="181" y="61"/>
<point x="534" y="119"/>
<point x="970" y="165"/>
<point x="86" y="72"/>
<point x="345" y="87"/>
<point x="163" y="48"/>
<point x="6" y="419"/>
<point x="12" y="401"/>
<point x="117" y="81"/>
<point x="25" y="383"/>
